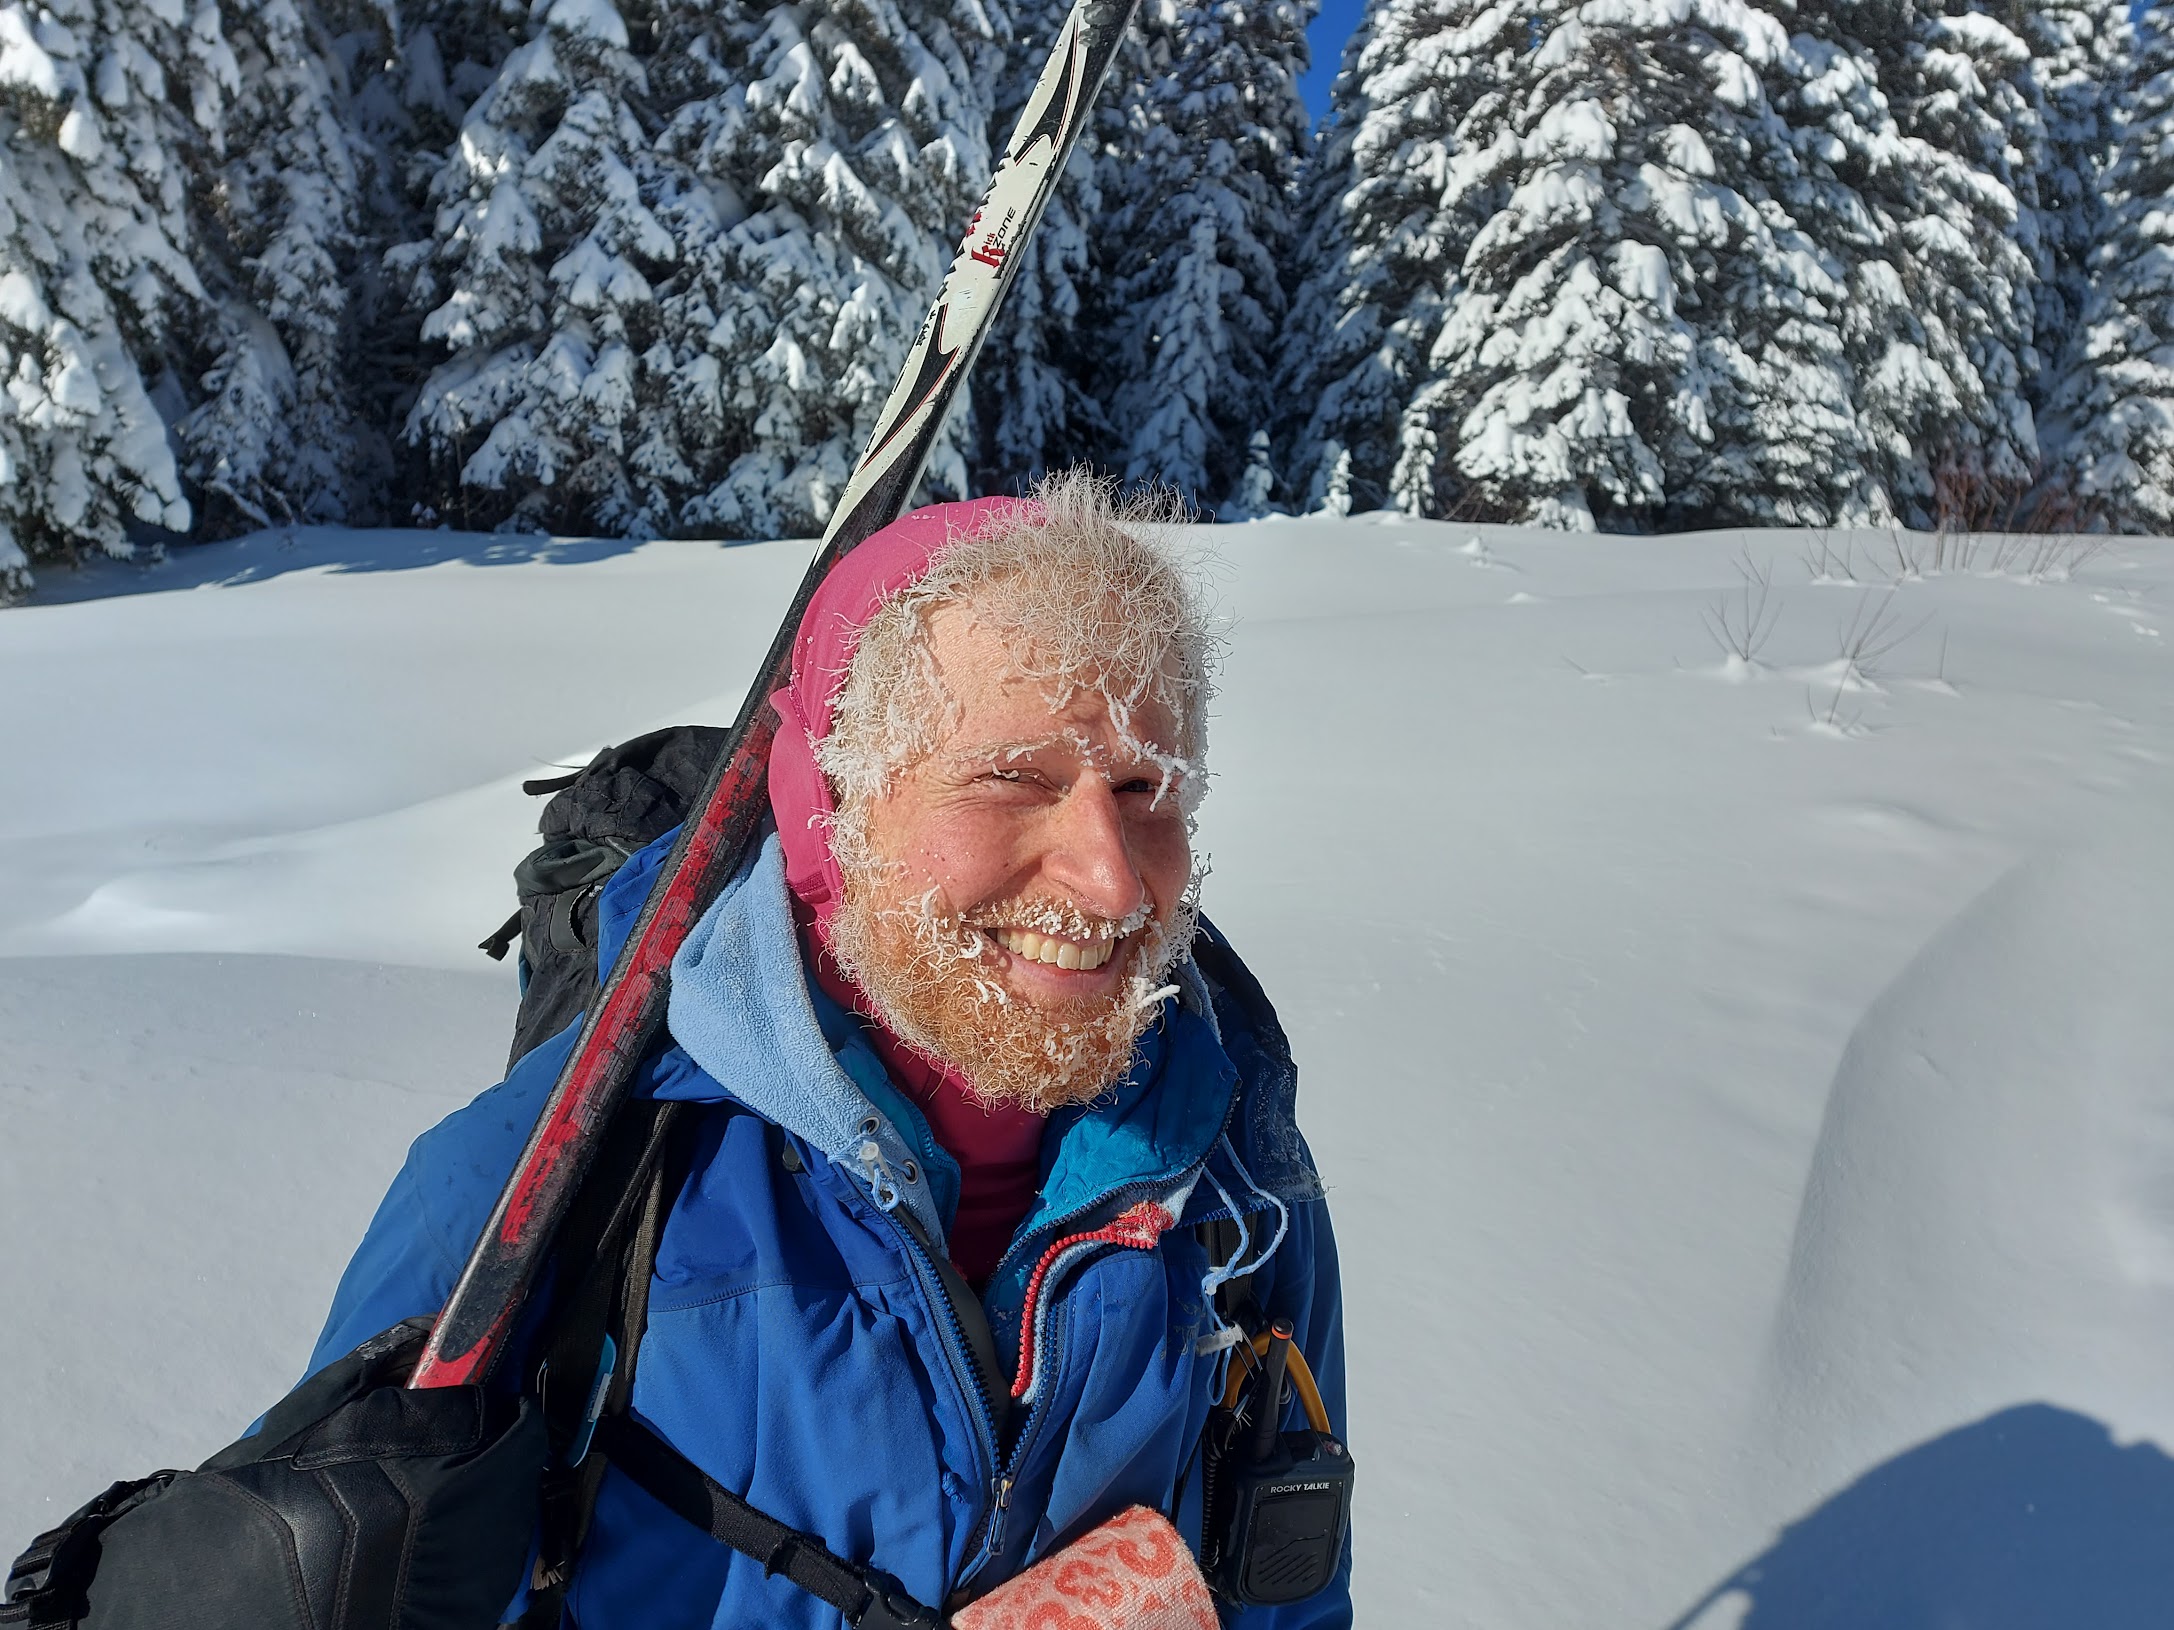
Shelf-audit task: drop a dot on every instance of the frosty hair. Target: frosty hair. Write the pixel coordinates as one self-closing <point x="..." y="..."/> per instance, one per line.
<point x="1086" y="591"/>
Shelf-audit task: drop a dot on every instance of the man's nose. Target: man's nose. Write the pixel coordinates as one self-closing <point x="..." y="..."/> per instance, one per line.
<point x="1089" y="857"/>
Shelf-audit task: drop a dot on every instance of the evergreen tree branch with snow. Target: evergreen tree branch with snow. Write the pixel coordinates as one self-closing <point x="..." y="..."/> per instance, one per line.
<point x="2117" y="397"/>
<point x="678" y="254"/>
<point x="1943" y="301"/>
<point x="283" y="433"/>
<point x="839" y="168"/>
<point x="2078" y="50"/>
<point x="1380" y="252"/>
<point x="1197" y="230"/>
<point x="1665" y="263"/>
<point x="104" y="111"/>
<point x="1032" y="408"/>
<point x="1641" y="335"/>
<point x="539" y="279"/>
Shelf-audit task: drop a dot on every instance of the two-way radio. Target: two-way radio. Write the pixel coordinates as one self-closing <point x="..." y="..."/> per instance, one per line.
<point x="1277" y="1503"/>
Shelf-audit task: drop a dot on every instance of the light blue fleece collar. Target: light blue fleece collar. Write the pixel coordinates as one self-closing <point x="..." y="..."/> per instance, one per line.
<point x="740" y="1008"/>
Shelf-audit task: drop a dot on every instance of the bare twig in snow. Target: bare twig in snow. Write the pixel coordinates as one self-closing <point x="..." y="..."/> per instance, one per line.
<point x="2058" y="555"/>
<point x="1908" y="568"/>
<point x="1823" y="565"/>
<point x="1741" y="622"/>
<point x="1867" y="640"/>
<point x="1871" y="634"/>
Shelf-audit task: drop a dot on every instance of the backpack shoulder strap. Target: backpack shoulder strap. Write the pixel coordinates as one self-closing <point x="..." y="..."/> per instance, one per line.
<point x="600" y="1311"/>
<point x="1223" y="1239"/>
<point x="594" y="1335"/>
<point x="868" y="1598"/>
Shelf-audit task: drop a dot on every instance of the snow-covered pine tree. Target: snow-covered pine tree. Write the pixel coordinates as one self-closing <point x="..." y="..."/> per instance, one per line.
<point x="2076" y="48"/>
<point x="840" y="167"/>
<point x="1841" y="132"/>
<point x="1032" y="411"/>
<point x="1787" y="446"/>
<point x="1380" y="251"/>
<point x="445" y="54"/>
<point x="1942" y="308"/>
<point x="1317" y="346"/>
<point x="2116" y="400"/>
<point x="414" y="68"/>
<point x="282" y="433"/>
<point x="540" y="280"/>
<point x="1197" y="227"/>
<point x="105" y="111"/>
<point x="1640" y="335"/>
<point x="680" y="251"/>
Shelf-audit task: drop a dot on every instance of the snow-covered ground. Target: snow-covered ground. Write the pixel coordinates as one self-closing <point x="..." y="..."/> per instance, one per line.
<point x="1747" y="1088"/>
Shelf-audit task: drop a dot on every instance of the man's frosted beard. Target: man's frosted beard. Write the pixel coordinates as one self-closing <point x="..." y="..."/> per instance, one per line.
<point x="933" y="980"/>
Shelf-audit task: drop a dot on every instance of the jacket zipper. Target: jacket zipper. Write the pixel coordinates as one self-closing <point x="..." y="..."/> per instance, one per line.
<point x="1003" y="1469"/>
<point x="1029" y="1430"/>
<point x="992" y="1536"/>
<point x="965" y="1370"/>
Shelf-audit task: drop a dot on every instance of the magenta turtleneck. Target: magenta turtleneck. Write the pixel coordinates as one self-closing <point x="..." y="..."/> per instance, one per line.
<point x="999" y="1151"/>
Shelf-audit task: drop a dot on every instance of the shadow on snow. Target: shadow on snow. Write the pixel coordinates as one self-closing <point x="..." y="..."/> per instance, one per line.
<point x="2031" y="1519"/>
<point x="279" y="550"/>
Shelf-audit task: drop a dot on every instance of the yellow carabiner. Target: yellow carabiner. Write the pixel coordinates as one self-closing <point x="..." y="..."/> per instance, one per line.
<point x="1301" y="1378"/>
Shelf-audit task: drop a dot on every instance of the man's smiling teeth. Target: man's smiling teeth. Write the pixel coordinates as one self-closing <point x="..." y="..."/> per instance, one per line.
<point x="1024" y="942"/>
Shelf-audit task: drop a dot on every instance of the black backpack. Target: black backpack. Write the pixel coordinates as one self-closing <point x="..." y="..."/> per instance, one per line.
<point x="625" y="798"/>
<point x="361" y="1505"/>
<point x="358" y="1506"/>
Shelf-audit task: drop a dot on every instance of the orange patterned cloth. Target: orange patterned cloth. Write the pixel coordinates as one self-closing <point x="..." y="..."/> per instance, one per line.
<point x="1132" y="1573"/>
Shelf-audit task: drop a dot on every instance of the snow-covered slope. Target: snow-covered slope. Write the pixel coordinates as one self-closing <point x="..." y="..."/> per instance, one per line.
<point x="1746" y="1087"/>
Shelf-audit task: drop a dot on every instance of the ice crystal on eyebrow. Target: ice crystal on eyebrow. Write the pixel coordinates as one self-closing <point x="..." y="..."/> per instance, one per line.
<point x="1089" y="595"/>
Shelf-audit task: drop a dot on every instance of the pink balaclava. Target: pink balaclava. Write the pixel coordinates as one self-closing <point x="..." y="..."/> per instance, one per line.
<point x="998" y="1150"/>
<point x="829" y="634"/>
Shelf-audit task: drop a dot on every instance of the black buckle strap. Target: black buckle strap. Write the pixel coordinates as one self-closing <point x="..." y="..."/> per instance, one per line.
<point x="501" y="941"/>
<point x="890" y="1607"/>
<point x="48" y="1586"/>
<point x="869" y="1598"/>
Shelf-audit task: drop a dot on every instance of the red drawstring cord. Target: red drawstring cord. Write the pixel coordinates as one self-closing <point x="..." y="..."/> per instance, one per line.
<point x="1139" y="1227"/>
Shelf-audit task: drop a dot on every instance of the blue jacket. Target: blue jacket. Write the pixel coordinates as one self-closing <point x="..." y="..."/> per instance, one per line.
<point x="801" y="1348"/>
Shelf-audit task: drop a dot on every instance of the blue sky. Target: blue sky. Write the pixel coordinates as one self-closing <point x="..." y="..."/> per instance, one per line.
<point x="1331" y="27"/>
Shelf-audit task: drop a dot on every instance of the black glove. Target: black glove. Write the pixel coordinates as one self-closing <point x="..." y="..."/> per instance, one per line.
<point x="358" y="1505"/>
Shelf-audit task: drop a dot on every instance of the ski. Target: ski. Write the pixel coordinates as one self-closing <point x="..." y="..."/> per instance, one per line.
<point x="629" y="1011"/>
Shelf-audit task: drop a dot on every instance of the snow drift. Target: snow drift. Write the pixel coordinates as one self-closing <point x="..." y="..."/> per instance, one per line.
<point x="1742" y="1077"/>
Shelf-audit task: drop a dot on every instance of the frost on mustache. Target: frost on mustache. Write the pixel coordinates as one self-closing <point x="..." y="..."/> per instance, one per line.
<point x="1059" y="917"/>
<point x="930" y="976"/>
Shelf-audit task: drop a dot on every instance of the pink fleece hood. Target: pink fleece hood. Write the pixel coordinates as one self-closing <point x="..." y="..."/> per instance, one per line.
<point x="843" y="606"/>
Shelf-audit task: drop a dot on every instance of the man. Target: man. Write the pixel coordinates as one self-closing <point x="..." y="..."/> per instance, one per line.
<point x="934" y="1288"/>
